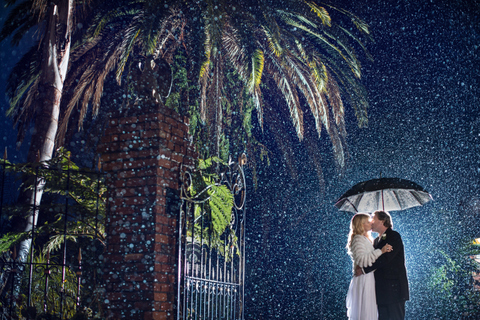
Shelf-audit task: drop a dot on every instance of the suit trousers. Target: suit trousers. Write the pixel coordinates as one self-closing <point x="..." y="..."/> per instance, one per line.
<point x="394" y="311"/>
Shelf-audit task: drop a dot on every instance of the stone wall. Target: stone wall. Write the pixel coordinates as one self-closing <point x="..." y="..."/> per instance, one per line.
<point x="141" y="155"/>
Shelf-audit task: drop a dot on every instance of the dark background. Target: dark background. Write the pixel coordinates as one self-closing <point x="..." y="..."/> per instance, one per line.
<point x="423" y="125"/>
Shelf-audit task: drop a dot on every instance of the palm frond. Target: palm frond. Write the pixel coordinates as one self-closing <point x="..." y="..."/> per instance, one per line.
<point x="235" y="52"/>
<point x="300" y="49"/>
<point x="321" y="12"/>
<point x="336" y="104"/>
<point x="23" y="74"/>
<point x="322" y="40"/>
<point x="337" y="145"/>
<point x="273" y="41"/>
<point x="258" y="61"/>
<point x="215" y="99"/>
<point x="319" y="106"/>
<point x="20" y="94"/>
<point x="126" y="49"/>
<point x="204" y="75"/>
<point x="318" y="71"/>
<point x="282" y="77"/>
<point x="19" y="21"/>
<point x="357" y="40"/>
<point x="311" y="92"/>
<point x="355" y="93"/>
<point x="352" y="59"/>
<point x="361" y="25"/>
<point x="28" y="108"/>
<point x="290" y="17"/>
<point x="319" y="74"/>
<point x="108" y="16"/>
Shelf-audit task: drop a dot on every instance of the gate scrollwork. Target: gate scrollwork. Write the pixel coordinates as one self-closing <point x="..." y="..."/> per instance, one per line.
<point x="212" y="242"/>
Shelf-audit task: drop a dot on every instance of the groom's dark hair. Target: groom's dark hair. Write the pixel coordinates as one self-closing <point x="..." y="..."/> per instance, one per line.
<point x="385" y="217"/>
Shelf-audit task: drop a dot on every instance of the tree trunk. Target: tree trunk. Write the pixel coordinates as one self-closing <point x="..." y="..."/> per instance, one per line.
<point x="55" y="53"/>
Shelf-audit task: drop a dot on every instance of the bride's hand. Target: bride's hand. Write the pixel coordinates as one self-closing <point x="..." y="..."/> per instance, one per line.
<point x="387" y="248"/>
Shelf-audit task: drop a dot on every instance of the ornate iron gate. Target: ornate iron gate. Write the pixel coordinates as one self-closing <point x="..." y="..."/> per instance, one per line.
<point x="211" y="255"/>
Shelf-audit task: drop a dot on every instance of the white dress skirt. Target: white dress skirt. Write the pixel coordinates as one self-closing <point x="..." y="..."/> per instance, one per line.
<point x="361" y="299"/>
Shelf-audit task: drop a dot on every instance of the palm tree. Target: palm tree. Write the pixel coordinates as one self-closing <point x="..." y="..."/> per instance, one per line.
<point x="292" y="49"/>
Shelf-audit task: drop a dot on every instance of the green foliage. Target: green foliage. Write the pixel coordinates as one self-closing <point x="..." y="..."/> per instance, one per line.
<point x="442" y="278"/>
<point x="452" y="283"/>
<point x="212" y="209"/>
<point x="237" y="109"/>
<point x="10" y="239"/>
<point x="82" y="189"/>
<point x="83" y="222"/>
<point x="55" y="286"/>
<point x="48" y="268"/>
<point x="182" y="87"/>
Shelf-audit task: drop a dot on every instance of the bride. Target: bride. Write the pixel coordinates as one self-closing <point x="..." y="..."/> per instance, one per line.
<point x="361" y="300"/>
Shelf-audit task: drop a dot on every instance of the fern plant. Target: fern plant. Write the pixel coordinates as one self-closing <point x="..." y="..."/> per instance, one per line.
<point x="212" y="209"/>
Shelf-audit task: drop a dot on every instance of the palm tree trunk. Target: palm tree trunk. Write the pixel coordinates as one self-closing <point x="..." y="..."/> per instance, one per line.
<point x="56" y="52"/>
<point x="218" y="114"/>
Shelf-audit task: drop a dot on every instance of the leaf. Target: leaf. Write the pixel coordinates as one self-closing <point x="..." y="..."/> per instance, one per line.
<point x="10" y="239"/>
<point x="321" y="13"/>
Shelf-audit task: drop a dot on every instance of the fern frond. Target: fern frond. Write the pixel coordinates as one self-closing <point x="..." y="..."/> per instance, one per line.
<point x="220" y="203"/>
<point x="55" y="242"/>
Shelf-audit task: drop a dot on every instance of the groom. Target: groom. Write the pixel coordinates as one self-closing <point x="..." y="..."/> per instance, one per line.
<point x="391" y="284"/>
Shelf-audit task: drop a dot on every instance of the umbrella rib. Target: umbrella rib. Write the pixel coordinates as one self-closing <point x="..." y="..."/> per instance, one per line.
<point x="367" y="195"/>
<point x="398" y="199"/>
<point x="352" y="205"/>
<point x="415" y="195"/>
<point x="376" y="197"/>
<point x="383" y="202"/>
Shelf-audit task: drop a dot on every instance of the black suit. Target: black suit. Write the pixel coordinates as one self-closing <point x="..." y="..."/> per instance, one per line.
<point x="391" y="283"/>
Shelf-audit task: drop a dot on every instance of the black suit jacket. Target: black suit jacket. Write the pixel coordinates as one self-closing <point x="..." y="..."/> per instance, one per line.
<point x="391" y="283"/>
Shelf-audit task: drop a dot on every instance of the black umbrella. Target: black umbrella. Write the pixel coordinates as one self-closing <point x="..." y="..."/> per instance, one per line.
<point x="388" y="194"/>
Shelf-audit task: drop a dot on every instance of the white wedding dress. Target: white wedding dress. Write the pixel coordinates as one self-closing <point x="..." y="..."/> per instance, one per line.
<point x="361" y="300"/>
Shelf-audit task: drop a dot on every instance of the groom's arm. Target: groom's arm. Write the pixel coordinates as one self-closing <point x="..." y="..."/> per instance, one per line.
<point x="395" y="240"/>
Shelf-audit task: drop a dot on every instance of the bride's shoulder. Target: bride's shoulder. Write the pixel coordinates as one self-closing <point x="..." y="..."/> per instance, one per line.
<point x="359" y="238"/>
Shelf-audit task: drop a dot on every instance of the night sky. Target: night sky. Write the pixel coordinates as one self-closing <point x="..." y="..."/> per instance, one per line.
<point x="424" y="125"/>
<point x="424" y="95"/>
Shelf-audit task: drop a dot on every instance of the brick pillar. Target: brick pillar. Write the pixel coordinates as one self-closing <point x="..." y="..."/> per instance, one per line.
<point x="141" y="155"/>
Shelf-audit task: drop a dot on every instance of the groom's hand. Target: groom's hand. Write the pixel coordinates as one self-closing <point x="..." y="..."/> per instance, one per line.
<point x="358" y="271"/>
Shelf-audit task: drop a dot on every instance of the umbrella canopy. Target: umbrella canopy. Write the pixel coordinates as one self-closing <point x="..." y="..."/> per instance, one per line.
<point x="390" y="194"/>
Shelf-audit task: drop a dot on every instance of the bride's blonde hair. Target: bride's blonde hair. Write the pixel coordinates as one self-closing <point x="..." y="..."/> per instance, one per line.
<point x="356" y="227"/>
